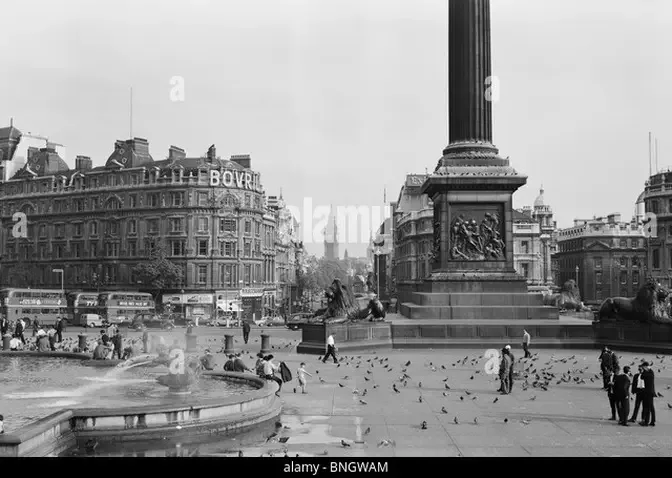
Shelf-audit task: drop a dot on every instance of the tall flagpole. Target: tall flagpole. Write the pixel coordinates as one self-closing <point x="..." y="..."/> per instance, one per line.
<point x="131" y="114"/>
<point x="656" y="154"/>
<point x="650" y="171"/>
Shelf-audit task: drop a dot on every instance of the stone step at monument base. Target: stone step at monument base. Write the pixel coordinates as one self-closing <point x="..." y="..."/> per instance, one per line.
<point x="461" y="299"/>
<point x="414" y="311"/>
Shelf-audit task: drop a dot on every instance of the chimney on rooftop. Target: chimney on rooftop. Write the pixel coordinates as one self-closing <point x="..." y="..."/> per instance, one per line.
<point x="83" y="163"/>
<point x="212" y="154"/>
<point x="243" y="159"/>
<point x="175" y="153"/>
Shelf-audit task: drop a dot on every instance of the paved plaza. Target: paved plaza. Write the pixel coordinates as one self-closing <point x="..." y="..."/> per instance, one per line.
<point x="569" y="419"/>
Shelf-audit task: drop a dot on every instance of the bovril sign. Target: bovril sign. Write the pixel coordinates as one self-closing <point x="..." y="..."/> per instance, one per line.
<point x="235" y="179"/>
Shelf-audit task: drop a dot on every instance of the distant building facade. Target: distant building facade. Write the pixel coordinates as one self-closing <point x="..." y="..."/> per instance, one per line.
<point x="606" y="256"/>
<point x="288" y="247"/>
<point x="534" y="242"/>
<point x="657" y="199"/>
<point x="208" y="214"/>
<point x="413" y="237"/>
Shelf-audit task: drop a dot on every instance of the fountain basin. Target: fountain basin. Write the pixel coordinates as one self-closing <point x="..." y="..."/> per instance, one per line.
<point x="250" y="401"/>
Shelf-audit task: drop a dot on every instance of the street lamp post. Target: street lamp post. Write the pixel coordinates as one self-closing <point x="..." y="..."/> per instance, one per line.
<point x="60" y="271"/>
<point x="377" y="254"/>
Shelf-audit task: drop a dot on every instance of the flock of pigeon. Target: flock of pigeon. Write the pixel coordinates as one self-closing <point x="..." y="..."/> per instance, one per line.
<point x="533" y="377"/>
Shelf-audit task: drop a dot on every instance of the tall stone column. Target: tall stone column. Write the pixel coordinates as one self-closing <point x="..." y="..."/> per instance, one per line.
<point x="469" y="67"/>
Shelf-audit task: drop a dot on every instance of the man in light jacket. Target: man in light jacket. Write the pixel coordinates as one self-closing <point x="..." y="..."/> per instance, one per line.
<point x="331" y="350"/>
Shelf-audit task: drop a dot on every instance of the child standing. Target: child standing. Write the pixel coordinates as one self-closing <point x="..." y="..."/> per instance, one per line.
<point x="301" y="375"/>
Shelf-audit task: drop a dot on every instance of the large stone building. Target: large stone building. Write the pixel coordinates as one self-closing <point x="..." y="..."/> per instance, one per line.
<point x="287" y="258"/>
<point x="534" y="242"/>
<point x="604" y="255"/>
<point x="657" y="199"/>
<point x="208" y="214"/>
<point x="413" y="233"/>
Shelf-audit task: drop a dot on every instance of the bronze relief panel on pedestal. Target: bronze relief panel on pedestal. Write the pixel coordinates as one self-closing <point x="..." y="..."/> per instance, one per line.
<point x="477" y="232"/>
<point x="436" y="250"/>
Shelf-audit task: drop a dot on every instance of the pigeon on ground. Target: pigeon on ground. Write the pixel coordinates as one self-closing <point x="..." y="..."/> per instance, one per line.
<point x="456" y="421"/>
<point x="423" y="425"/>
<point x="443" y="410"/>
<point x="345" y="444"/>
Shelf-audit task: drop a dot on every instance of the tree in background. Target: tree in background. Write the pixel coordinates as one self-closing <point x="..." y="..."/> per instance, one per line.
<point x="158" y="273"/>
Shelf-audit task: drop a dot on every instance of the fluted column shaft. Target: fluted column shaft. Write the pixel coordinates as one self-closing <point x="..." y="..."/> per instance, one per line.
<point x="470" y="114"/>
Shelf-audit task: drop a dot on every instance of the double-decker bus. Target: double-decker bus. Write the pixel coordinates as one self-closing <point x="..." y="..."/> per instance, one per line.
<point x="45" y="305"/>
<point x="80" y="303"/>
<point x="114" y="305"/>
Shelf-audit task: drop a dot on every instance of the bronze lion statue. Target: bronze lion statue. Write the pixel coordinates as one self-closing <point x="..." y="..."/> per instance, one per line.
<point x="650" y="305"/>
<point x="342" y="306"/>
<point x="568" y="298"/>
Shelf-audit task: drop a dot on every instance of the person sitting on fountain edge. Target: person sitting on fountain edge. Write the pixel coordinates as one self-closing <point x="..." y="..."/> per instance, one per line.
<point x="104" y="337"/>
<point x="208" y="360"/>
<point x="228" y="366"/>
<point x="259" y="365"/>
<point x="269" y="372"/>
<point x="239" y="365"/>
<point x="101" y="351"/>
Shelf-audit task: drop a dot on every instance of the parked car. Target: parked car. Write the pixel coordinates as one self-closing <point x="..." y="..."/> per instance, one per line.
<point x="92" y="320"/>
<point x="274" y="321"/>
<point x="230" y="321"/>
<point x="119" y="320"/>
<point x="297" y="320"/>
<point x="260" y="322"/>
<point x="151" y="321"/>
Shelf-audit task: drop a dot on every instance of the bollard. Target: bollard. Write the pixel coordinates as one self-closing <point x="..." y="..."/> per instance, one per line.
<point x="6" y="339"/>
<point x="228" y="344"/>
<point x="265" y="343"/>
<point x="192" y="343"/>
<point x="82" y="342"/>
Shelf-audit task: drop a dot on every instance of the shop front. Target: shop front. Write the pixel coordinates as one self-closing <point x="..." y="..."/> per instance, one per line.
<point x="252" y="303"/>
<point x="191" y="306"/>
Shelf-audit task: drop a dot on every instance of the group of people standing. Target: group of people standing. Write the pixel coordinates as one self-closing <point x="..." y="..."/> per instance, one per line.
<point x="53" y="334"/>
<point x="619" y="389"/>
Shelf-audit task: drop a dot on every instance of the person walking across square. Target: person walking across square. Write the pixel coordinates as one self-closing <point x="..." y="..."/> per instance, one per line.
<point x="331" y="350"/>
<point x="526" y="344"/>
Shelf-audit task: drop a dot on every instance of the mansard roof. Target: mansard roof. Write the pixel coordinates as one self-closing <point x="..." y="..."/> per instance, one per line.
<point x="46" y="162"/>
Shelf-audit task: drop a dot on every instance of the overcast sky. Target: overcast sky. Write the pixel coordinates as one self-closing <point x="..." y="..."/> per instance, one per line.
<point x="335" y="100"/>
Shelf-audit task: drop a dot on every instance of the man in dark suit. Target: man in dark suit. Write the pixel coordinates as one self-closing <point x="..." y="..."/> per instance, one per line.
<point x="649" y="393"/>
<point x="513" y="362"/>
<point x="622" y="395"/>
<point x="637" y="392"/>
<point x="246" y="330"/>
<point x="4" y="325"/>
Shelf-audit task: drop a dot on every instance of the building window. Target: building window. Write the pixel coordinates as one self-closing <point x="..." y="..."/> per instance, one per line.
<point x="227" y="278"/>
<point x="635" y="277"/>
<point x="257" y="248"/>
<point x="58" y="251"/>
<point x="598" y="294"/>
<point x="134" y="179"/>
<point x="624" y="277"/>
<point x="113" y="204"/>
<point x="226" y="249"/>
<point x="257" y="272"/>
<point x="525" y="247"/>
<point x="94" y="204"/>
<point x="79" y="229"/>
<point x="202" y="199"/>
<point x="597" y="263"/>
<point x="133" y="200"/>
<point x="656" y="258"/>
<point x="112" y="180"/>
<point x="654" y="206"/>
<point x="202" y="224"/>
<point x="248" y="227"/>
<point x="79" y="205"/>
<point x="202" y="274"/>
<point x="624" y="243"/>
<point x="60" y="230"/>
<point x="247" y="249"/>
<point x="227" y="225"/>
<point x="43" y="251"/>
<point x="132" y="248"/>
<point x="153" y="226"/>
<point x="113" y="228"/>
<point x="203" y="247"/>
<point x="177" y="199"/>
<point x="257" y="229"/>
<point x="111" y="249"/>
<point x="76" y="250"/>
<point x="93" y="248"/>
<point x="525" y="270"/>
<point x="93" y="228"/>
<point x="132" y="227"/>
<point x="624" y="261"/>
<point x="177" y="248"/>
<point x="153" y="200"/>
<point x="176" y="224"/>
<point x="247" y="278"/>
<point x="43" y="230"/>
<point x="598" y="278"/>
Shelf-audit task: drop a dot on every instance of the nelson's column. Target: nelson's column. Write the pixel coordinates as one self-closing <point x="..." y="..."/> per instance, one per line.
<point x="473" y="275"/>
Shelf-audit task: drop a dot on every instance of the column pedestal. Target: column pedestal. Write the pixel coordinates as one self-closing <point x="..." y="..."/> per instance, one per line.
<point x="82" y="342"/>
<point x="265" y="343"/>
<point x="228" y="344"/>
<point x="5" y="341"/>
